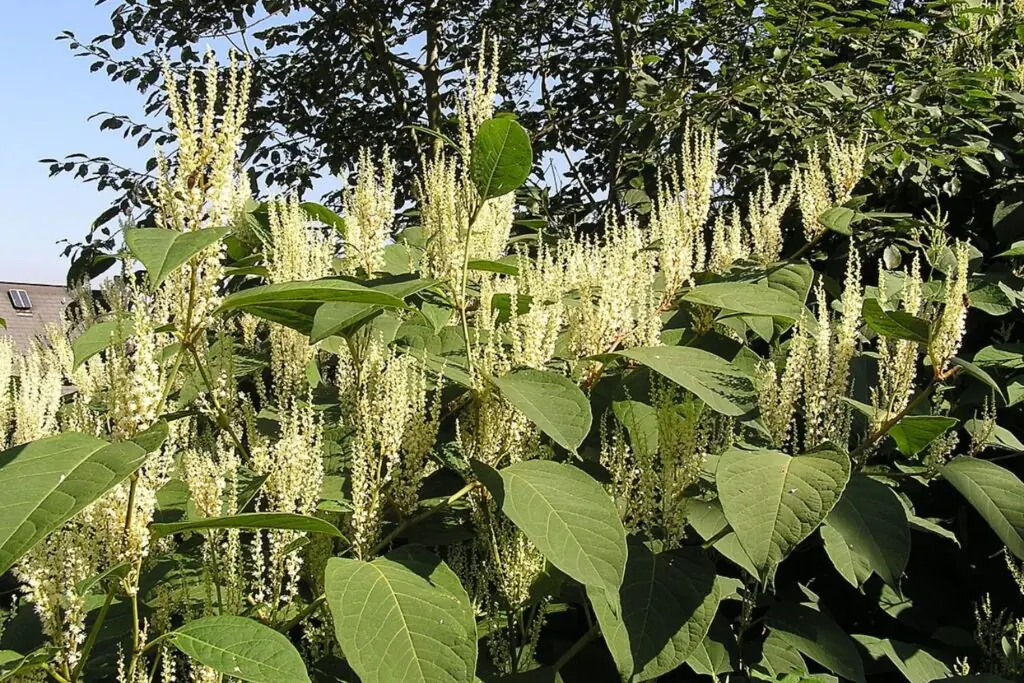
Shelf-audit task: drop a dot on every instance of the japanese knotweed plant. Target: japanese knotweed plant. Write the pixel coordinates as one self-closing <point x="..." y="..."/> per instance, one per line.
<point x="299" y="445"/>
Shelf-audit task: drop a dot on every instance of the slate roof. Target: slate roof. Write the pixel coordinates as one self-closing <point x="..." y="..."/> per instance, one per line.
<point x="48" y="302"/>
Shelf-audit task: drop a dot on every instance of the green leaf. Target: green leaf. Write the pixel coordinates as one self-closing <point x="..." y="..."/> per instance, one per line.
<point x="977" y="373"/>
<point x="895" y="324"/>
<point x="668" y="601"/>
<point x="568" y="515"/>
<point x="501" y="157"/>
<point x="719" y="653"/>
<point x="641" y="421"/>
<point x="250" y="520"/>
<point x="307" y="292"/>
<point x="838" y="219"/>
<point x="319" y="212"/>
<point x="872" y="525"/>
<point x="98" y="337"/>
<point x="337" y="316"/>
<point x="744" y="297"/>
<point x="708" y="520"/>
<point x="995" y="436"/>
<point x="402" y="617"/>
<point x="723" y="386"/>
<point x="46" y="482"/>
<point x="164" y="251"/>
<point x="853" y="567"/>
<point x="551" y="401"/>
<point x="505" y="268"/>
<point x="793" y="278"/>
<point x="995" y="492"/>
<point x="915" y="663"/>
<point x="817" y="636"/>
<point x="779" y="658"/>
<point x="773" y="501"/>
<point x="1001" y="356"/>
<point x="914" y="432"/>
<point x="241" y="648"/>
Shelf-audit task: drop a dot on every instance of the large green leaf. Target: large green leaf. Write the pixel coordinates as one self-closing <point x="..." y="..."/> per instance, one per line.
<point x="995" y="492"/>
<point x="568" y="515"/>
<point x="914" y="432"/>
<point x="98" y="337"/>
<point x="773" y="500"/>
<point x="501" y="157"/>
<point x="337" y="316"/>
<point x="719" y="383"/>
<point x="551" y="401"/>
<point x="917" y="664"/>
<point x="794" y="278"/>
<point x="838" y="219"/>
<point x="895" y="324"/>
<point x="403" y="617"/>
<point x="241" y="648"/>
<point x="46" y="482"/>
<point x="319" y="212"/>
<point x="817" y="636"/>
<point x="251" y="520"/>
<point x="873" y="530"/>
<point x="719" y="653"/>
<point x="307" y="292"/>
<point x="641" y="422"/>
<point x="708" y="520"/>
<point x="164" y="251"/>
<point x="668" y="601"/>
<point x="743" y="297"/>
<point x="1001" y="357"/>
<point x="779" y="658"/>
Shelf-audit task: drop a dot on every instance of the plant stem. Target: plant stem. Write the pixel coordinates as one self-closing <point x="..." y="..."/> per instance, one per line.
<point x="53" y="674"/>
<point x="156" y="663"/>
<point x="808" y="246"/>
<point x="426" y="514"/>
<point x="310" y="609"/>
<point x="726" y="530"/>
<point x="576" y="647"/>
<point x="465" y="282"/>
<point x="94" y="633"/>
<point x="884" y="428"/>
<point x="222" y="418"/>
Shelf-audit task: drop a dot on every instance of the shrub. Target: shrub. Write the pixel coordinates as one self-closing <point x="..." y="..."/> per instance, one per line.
<point x="301" y="447"/>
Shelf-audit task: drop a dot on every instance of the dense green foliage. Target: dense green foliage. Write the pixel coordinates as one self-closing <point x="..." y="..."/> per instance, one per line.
<point x="763" y="427"/>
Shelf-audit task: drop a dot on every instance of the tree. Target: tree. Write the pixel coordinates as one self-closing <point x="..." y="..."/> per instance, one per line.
<point x="608" y="89"/>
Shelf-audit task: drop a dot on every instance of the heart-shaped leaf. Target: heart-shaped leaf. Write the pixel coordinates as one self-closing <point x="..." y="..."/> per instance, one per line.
<point x="895" y="324"/>
<point x="913" y="433"/>
<point x="568" y="515"/>
<point x="773" y="500"/>
<point x="668" y="601"/>
<point x="403" y="617"/>
<point x="817" y="636"/>
<point x="242" y="649"/>
<point x="744" y="297"/>
<point x="99" y="337"/>
<point x="873" y="532"/>
<point x="995" y="492"/>
<point x="164" y="251"/>
<point x="723" y="386"/>
<point x="501" y="157"/>
<point x="46" y="482"/>
<point x="551" y="401"/>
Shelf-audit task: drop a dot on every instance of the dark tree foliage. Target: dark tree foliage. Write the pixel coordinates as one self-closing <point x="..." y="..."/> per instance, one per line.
<point x="607" y="88"/>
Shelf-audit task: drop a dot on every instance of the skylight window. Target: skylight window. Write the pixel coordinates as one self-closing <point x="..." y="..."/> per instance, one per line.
<point x="20" y="300"/>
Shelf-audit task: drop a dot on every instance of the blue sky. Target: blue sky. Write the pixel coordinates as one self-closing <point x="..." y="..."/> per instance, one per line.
<point x="46" y="95"/>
